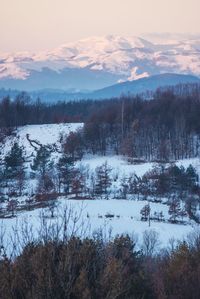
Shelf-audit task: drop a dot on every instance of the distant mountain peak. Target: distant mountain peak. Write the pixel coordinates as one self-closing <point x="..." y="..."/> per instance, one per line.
<point x="99" y="61"/>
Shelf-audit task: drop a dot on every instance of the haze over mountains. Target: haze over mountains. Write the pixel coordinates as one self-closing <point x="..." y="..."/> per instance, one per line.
<point x="98" y="62"/>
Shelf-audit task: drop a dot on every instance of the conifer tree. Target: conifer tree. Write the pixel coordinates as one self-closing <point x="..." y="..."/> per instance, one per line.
<point x="64" y="171"/>
<point x="174" y="209"/>
<point x="14" y="161"/>
<point x="145" y="212"/>
<point x="41" y="162"/>
<point x="14" y="171"/>
<point x="103" y="180"/>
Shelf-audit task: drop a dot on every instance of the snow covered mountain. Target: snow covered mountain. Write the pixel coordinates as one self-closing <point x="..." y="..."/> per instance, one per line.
<point x="97" y="62"/>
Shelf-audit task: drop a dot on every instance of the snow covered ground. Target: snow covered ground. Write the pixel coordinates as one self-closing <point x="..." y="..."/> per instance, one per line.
<point x="118" y="164"/>
<point x="93" y="214"/>
<point x="47" y="134"/>
<point x="125" y="213"/>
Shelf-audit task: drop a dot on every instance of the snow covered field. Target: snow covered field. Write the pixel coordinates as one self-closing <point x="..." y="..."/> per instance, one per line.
<point x="124" y="216"/>
<point x="110" y="216"/>
<point x="118" y="164"/>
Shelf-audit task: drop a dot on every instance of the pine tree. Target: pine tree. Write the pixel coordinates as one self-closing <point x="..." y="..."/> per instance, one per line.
<point x="14" y="161"/>
<point x="177" y="178"/>
<point x="103" y="180"/>
<point x="64" y="171"/>
<point x="192" y="177"/>
<point x="77" y="183"/>
<point x="174" y="209"/>
<point x="41" y="162"/>
<point x="45" y="184"/>
<point x="145" y="212"/>
<point x="124" y="187"/>
<point x="43" y="168"/>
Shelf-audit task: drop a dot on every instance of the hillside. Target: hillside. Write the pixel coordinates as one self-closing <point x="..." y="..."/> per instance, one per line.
<point x="120" y="214"/>
<point x="143" y="85"/>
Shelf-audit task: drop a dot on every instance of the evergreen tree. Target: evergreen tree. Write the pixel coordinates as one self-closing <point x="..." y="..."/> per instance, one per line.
<point x="41" y="162"/>
<point x="14" y="161"/>
<point x="192" y="177"/>
<point x="103" y="180"/>
<point x="45" y="184"/>
<point x="43" y="166"/>
<point x="145" y="212"/>
<point x="191" y="208"/>
<point x="64" y="170"/>
<point x="174" y="209"/>
<point x="163" y="181"/>
<point x="124" y="187"/>
<point x="177" y="177"/>
<point x="77" y="183"/>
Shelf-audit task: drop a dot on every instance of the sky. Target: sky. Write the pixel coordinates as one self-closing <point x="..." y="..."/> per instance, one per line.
<point x="34" y="25"/>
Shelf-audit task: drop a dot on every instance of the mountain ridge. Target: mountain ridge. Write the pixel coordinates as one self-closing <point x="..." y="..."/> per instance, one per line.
<point x="135" y="87"/>
<point x="96" y="62"/>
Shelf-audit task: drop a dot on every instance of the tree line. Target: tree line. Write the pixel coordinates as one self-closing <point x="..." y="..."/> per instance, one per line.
<point x="91" y="268"/>
<point x="22" y="110"/>
<point x="164" y="128"/>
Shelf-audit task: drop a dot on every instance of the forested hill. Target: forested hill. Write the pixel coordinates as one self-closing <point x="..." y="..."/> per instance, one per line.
<point x="22" y="110"/>
<point x="144" y="87"/>
<point x="166" y="127"/>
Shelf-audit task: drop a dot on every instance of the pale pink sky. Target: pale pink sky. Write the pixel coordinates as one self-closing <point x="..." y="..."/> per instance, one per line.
<point x="45" y="24"/>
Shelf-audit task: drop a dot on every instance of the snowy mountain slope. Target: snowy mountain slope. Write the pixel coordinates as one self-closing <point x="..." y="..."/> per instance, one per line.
<point x="113" y="58"/>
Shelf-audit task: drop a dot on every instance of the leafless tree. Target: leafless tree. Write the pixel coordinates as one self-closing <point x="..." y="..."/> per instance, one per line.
<point x="150" y="242"/>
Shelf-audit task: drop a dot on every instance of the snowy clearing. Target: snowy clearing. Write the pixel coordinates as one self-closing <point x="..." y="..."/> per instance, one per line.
<point x="124" y="219"/>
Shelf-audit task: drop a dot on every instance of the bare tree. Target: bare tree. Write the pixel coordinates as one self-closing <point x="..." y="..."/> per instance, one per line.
<point x="150" y="242"/>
